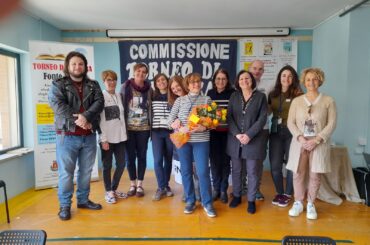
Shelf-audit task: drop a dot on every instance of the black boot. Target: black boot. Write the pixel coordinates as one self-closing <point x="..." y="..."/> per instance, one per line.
<point x="235" y="202"/>
<point x="251" y="207"/>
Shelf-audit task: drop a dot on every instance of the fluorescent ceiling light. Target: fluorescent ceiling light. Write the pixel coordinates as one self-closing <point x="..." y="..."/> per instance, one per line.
<point x="198" y="32"/>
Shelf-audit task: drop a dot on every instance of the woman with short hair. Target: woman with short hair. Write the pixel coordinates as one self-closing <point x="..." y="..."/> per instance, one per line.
<point x="312" y="120"/>
<point x="246" y="116"/>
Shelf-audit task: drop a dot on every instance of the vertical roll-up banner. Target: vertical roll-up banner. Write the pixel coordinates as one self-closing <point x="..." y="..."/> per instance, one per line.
<point x="47" y="64"/>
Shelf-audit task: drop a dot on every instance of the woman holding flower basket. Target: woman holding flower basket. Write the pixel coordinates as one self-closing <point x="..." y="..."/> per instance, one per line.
<point x="195" y="147"/>
<point x="246" y="115"/>
<point x="220" y="161"/>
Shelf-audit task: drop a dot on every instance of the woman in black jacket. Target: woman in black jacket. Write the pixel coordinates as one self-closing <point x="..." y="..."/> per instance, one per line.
<point x="247" y="114"/>
<point x="220" y="161"/>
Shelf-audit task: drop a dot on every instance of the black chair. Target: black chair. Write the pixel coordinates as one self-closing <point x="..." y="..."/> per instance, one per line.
<point x="317" y="240"/>
<point x="2" y="184"/>
<point x="28" y="237"/>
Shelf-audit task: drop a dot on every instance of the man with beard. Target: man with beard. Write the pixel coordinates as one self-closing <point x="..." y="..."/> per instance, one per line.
<point x="77" y="102"/>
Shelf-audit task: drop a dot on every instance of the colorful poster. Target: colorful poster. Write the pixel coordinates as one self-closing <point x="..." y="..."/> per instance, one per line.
<point x="179" y="57"/>
<point x="274" y="52"/>
<point x="47" y="64"/>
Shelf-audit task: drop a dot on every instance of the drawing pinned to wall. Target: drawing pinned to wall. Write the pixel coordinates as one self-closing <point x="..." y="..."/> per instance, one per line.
<point x="248" y="47"/>
<point x="287" y="47"/>
<point x="267" y="48"/>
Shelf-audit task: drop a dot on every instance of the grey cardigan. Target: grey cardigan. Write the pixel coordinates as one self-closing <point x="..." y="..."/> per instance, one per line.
<point x="250" y="123"/>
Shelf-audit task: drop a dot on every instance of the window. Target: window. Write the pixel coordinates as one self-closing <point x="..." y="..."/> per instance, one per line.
<point x="10" y="130"/>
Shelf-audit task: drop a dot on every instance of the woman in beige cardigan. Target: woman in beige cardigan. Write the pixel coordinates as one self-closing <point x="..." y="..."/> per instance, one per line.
<point x="311" y="120"/>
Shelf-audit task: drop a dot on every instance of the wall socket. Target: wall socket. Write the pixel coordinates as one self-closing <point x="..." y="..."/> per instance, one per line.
<point x="362" y="141"/>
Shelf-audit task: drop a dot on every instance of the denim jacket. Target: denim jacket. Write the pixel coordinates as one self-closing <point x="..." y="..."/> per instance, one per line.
<point x="65" y="101"/>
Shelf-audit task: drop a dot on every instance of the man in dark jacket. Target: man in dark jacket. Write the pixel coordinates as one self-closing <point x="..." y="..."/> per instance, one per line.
<point x="77" y="103"/>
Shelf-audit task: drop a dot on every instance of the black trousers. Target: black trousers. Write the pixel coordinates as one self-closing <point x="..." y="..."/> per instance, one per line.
<point x="118" y="150"/>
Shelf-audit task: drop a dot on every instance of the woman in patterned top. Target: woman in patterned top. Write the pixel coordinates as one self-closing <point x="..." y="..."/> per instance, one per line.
<point x="196" y="148"/>
<point x="136" y="97"/>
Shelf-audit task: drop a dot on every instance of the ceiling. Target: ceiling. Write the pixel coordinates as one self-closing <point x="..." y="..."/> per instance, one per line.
<point x="174" y="14"/>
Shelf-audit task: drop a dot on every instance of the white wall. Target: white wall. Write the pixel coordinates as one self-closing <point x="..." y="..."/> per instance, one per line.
<point x="15" y="32"/>
<point x="341" y="48"/>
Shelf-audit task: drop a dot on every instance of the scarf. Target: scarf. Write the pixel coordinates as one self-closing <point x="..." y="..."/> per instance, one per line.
<point x="130" y="84"/>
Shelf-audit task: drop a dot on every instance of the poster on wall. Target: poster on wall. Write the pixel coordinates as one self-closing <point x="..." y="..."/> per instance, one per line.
<point x="179" y="57"/>
<point x="47" y="64"/>
<point x="274" y="52"/>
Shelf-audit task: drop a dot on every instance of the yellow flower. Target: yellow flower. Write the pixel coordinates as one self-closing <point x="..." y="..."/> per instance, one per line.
<point x="224" y="111"/>
<point x="209" y="108"/>
<point x="214" y="105"/>
<point x="215" y="122"/>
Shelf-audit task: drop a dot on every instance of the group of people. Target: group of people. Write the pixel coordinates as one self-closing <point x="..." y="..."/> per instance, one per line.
<point x="297" y="135"/>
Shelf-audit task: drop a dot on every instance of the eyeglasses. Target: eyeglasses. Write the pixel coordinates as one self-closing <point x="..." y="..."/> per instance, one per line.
<point x="110" y="81"/>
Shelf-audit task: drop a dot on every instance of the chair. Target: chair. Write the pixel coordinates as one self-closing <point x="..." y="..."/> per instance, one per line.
<point x="317" y="240"/>
<point x="20" y="237"/>
<point x="2" y="184"/>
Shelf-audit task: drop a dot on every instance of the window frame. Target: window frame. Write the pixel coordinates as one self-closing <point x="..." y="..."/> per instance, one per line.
<point x="19" y="98"/>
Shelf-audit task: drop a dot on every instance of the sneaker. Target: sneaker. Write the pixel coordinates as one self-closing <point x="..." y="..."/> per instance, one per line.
<point x="110" y="197"/>
<point x="120" y="194"/>
<point x="276" y="199"/>
<point x="169" y="192"/>
<point x="189" y="208"/>
<point x="210" y="211"/>
<point x="259" y="196"/>
<point x="296" y="209"/>
<point x="311" y="211"/>
<point x="284" y="201"/>
<point x="159" y="194"/>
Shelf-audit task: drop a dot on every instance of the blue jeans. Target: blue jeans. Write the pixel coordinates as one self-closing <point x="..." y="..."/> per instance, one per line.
<point x="162" y="153"/>
<point x="72" y="150"/>
<point x="200" y="152"/>
<point x="137" y="146"/>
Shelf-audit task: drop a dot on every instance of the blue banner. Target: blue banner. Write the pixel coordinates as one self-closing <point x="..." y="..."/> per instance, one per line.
<point x="179" y="57"/>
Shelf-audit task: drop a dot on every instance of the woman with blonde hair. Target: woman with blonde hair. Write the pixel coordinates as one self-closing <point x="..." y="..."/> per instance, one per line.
<point x="112" y="137"/>
<point x="196" y="148"/>
<point x="312" y="120"/>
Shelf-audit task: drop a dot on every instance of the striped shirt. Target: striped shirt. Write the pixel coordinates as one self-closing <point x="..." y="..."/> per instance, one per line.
<point x="161" y="111"/>
<point x="181" y="110"/>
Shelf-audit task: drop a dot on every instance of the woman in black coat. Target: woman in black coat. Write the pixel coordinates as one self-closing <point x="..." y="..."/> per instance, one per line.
<point x="247" y="114"/>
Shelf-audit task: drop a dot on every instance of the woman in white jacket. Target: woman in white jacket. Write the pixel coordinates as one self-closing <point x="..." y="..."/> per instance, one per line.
<point x="312" y="120"/>
<point x="113" y="137"/>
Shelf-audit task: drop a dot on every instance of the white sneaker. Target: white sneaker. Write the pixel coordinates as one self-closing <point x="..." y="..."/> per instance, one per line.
<point x="311" y="211"/>
<point x="110" y="197"/>
<point x="296" y="209"/>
